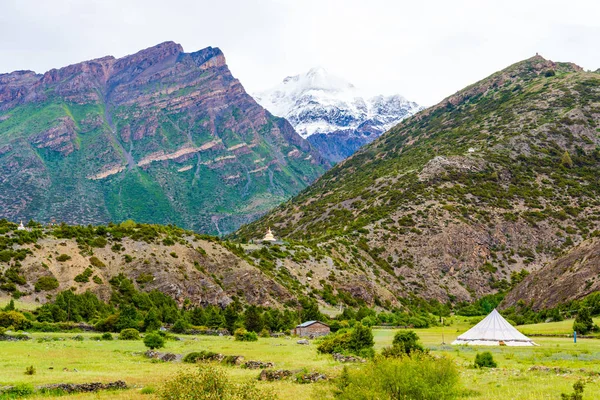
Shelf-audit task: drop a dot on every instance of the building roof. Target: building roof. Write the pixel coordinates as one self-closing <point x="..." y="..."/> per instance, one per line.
<point x="309" y="323"/>
<point x="492" y="330"/>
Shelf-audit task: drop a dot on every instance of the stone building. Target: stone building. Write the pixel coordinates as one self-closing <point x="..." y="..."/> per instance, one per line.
<point x="312" y="329"/>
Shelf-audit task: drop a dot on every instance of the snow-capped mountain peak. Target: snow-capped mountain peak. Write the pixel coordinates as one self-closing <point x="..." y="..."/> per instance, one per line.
<point x="318" y="103"/>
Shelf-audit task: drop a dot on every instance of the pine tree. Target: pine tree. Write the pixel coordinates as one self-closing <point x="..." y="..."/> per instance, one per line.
<point x="151" y="321"/>
<point x="231" y="317"/>
<point x="566" y="160"/>
<point x="361" y="338"/>
<point x="10" y="306"/>
<point x="253" y="320"/>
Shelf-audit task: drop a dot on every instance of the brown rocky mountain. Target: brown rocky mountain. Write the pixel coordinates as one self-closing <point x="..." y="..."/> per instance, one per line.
<point x="160" y="136"/>
<point x="498" y="178"/>
<point x="179" y="263"/>
<point x="571" y="277"/>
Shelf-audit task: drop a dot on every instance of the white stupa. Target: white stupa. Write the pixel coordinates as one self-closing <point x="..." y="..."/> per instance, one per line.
<point x="493" y="330"/>
<point x="269" y="236"/>
<point x="21" y="227"/>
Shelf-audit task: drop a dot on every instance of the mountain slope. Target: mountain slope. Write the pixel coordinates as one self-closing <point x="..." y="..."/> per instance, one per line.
<point x="333" y="114"/>
<point x="38" y="262"/>
<point x="500" y="177"/>
<point x="571" y="277"/>
<point x="161" y="136"/>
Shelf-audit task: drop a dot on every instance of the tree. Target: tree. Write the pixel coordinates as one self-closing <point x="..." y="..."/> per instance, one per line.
<point x="404" y="343"/>
<point x="231" y="317"/>
<point x="583" y="322"/>
<point x="361" y="339"/>
<point x="10" y="306"/>
<point x="197" y="316"/>
<point x="566" y="160"/>
<point x="253" y="320"/>
<point x="127" y="318"/>
<point x="151" y="321"/>
<point x="153" y="341"/>
<point x="180" y="326"/>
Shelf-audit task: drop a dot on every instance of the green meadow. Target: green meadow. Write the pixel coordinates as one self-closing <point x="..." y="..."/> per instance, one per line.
<point x="72" y="361"/>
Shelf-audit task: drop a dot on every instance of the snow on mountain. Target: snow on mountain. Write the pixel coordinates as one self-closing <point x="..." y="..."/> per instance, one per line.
<point x="318" y="102"/>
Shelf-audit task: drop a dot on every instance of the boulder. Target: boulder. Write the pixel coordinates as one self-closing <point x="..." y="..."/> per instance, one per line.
<point x="303" y="341"/>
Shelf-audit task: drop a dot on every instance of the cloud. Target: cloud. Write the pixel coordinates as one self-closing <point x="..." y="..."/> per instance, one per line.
<point x="423" y="50"/>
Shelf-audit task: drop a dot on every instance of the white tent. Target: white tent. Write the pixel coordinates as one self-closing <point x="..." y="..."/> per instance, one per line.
<point x="494" y="330"/>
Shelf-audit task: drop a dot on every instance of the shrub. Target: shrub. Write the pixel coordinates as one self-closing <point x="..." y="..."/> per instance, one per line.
<point x="46" y="283"/>
<point x="20" y="390"/>
<point x="577" y="392"/>
<point x="197" y="356"/>
<point x="485" y="360"/>
<point x="30" y="370"/>
<point x="129" y="334"/>
<point x="63" y="258"/>
<point x="265" y="333"/>
<point x="243" y="335"/>
<point x="583" y="321"/>
<point x="97" y="280"/>
<point x="84" y="276"/>
<point x="210" y="383"/>
<point x="95" y="261"/>
<point x="180" y="326"/>
<point x="14" y="319"/>
<point x="106" y="336"/>
<point x="422" y="378"/>
<point x="404" y="343"/>
<point x="361" y="339"/>
<point x="334" y="343"/>
<point x="148" y="390"/>
<point x="153" y="341"/>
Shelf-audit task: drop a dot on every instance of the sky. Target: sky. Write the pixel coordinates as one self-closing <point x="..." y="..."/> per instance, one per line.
<point x="423" y="50"/>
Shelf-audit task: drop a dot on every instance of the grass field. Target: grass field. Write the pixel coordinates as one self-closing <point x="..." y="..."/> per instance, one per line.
<point x="109" y="361"/>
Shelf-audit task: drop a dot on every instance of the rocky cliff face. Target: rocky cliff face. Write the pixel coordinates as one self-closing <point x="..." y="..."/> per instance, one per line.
<point x="571" y="277"/>
<point x="160" y="136"/>
<point x="500" y="177"/>
<point x="332" y="114"/>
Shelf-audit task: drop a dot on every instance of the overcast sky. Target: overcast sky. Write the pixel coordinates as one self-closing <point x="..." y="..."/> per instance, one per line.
<point x="424" y="50"/>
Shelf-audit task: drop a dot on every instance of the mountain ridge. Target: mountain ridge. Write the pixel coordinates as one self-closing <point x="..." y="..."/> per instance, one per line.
<point x="159" y="136"/>
<point x="452" y="202"/>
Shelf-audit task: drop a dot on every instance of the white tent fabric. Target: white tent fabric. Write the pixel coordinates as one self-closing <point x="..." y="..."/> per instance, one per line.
<point x="493" y="330"/>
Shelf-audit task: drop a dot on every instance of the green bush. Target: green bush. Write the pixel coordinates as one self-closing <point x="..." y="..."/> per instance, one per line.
<point x="197" y="356"/>
<point x="153" y="341"/>
<point x="148" y="390"/>
<point x="84" y="276"/>
<point x="210" y="383"/>
<point x="577" y="392"/>
<point x="95" y="261"/>
<point x="583" y="323"/>
<point x="129" y="334"/>
<point x="180" y="326"/>
<point x="30" y="370"/>
<point x="422" y="378"/>
<point x="485" y="360"/>
<point x="243" y="335"/>
<point x="404" y="343"/>
<point x="46" y="283"/>
<point x="14" y="319"/>
<point x="334" y="343"/>
<point x="63" y="258"/>
<point x="19" y="390"/>
<point x="106" y="336"/>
